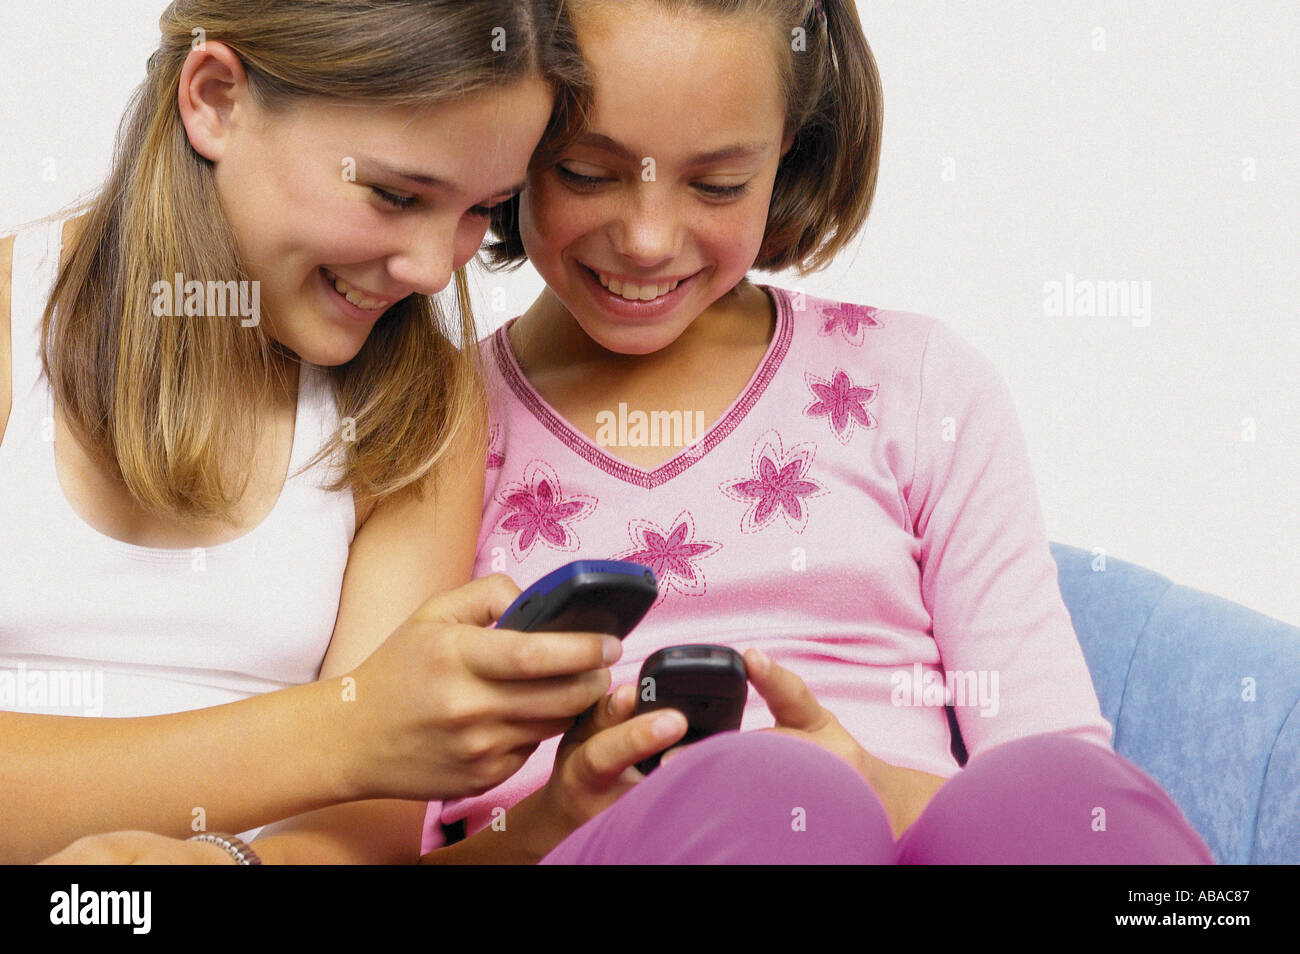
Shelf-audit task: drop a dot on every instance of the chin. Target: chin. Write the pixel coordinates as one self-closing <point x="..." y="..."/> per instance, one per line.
<point x="623" y="339"/>
<point x="331" y="357"/>
<point x="325" y="353"/>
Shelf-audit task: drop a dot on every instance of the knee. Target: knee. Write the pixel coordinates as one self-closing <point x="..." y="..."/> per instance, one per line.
<point x="746" y="768"/>
<point x="783" y="797"/>
<point x="741" y="798"/>
<point x="1052" y="797"/>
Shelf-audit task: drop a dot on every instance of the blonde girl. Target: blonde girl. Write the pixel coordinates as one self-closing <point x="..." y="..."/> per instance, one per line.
<point x="242" y="442"/>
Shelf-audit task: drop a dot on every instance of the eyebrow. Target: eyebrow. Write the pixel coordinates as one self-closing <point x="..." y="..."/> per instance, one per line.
<point x="424" y="179"/>
<point x="740" y="150"/>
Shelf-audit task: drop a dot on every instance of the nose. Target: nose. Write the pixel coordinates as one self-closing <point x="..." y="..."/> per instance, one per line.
<point x="425" y="258"/>
<point x="647" y="232"/>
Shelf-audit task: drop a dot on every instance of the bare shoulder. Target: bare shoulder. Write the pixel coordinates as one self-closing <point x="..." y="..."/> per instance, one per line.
<point x="364" y="508"/>
<point x="72" y="230"/>
<point x="6" y="270"/>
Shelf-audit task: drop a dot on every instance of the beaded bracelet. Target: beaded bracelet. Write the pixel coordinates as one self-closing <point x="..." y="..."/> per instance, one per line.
<point x="237" y="848"/>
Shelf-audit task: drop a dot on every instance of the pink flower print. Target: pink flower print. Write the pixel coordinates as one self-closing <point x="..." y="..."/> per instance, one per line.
<point x="495" y="458"/>
<point x="779" y="485"/>
<point x="537" y="510"/>
<point x="851" y="320"/>
<point x="842" y="401"/>
<point x="671" y="554"/>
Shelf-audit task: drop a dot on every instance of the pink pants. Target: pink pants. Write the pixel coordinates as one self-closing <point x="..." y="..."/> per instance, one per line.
<point x="767" y="798"/>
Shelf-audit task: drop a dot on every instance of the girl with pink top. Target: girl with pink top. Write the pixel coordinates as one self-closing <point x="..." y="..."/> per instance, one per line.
<point x="840" y="492"/>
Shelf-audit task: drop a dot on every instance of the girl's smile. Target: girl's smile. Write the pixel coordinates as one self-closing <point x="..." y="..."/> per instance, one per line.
<point x="643" y="299"/>
<point x="353" y="302"/>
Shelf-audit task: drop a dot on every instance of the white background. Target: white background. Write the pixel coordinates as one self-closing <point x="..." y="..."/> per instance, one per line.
<point x="1118" y="141"/>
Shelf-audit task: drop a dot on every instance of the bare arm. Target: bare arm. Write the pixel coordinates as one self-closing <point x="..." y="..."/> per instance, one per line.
<point x="407" y="551"/>
<point x="273" y="756"/>
<point x="65" y="777"/>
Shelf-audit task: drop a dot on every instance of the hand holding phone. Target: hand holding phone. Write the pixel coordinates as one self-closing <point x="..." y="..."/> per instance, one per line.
<point x="708" y="684"/>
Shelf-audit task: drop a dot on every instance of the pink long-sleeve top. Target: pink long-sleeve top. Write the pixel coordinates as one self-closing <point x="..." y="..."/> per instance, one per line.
<point x="864" y="513"/>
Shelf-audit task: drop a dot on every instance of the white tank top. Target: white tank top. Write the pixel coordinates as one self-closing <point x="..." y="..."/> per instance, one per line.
<point x="90" y="625"/>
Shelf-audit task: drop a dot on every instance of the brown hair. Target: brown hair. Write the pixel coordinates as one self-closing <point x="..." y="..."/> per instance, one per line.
<point x="154" y="396"/>
<point x="826" y="182"/>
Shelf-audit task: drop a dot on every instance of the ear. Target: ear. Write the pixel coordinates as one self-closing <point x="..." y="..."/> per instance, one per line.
<point x="212" y="87"/>
<point x="786" y="143"/>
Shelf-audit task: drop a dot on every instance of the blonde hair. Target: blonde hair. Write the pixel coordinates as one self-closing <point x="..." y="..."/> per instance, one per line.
<point x="164" y="401"/>
<point x="825" y="184"/>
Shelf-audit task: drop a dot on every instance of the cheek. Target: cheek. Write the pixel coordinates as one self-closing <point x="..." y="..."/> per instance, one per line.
<point x="532" y="221"/>
<point x="549" y="219"/>
<point x="306" y="213"/>
<point x="734" y="239"/>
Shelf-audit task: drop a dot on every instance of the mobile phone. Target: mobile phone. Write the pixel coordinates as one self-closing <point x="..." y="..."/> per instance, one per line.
<point x="586" y="596"/>
<point x="707" y="684"/>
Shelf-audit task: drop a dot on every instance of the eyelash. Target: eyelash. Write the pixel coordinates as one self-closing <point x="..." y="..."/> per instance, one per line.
<point x="406" y="201"/>
<point x="577" y="178"/>
<point x="396" y="201"/>
<point x="713" y="191"/>
<point x="724" y="192"/>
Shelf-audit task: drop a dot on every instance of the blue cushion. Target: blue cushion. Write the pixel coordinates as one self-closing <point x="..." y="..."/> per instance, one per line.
<point x="1204" y="695"/>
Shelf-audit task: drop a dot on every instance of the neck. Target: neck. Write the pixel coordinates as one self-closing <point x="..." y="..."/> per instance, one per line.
<point x="285" y="374"/>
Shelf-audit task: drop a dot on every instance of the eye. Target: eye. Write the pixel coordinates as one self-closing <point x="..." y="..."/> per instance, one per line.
<point x="577" y="178"/>
<point x="396" y="201"/>
<point x="721" y="191"/>
<point x="485" y="211"/>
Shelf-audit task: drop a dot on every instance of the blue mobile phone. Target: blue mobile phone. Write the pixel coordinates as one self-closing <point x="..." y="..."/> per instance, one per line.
<point x="586" y="596"/>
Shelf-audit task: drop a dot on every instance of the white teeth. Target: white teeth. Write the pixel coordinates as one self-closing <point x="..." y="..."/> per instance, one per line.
<point x="630" y="291"/>
<point x="354" y="296"/>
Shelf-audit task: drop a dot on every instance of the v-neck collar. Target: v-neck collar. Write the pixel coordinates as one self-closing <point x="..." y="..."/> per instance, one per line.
<point x="690" y="455"/>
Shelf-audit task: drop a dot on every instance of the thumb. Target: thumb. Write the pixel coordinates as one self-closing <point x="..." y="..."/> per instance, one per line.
<point x="479" y="602"/>
<point x="788" y="698"/>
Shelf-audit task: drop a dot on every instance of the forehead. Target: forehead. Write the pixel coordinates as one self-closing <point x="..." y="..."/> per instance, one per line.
<point x="474" y="140"/>
<point x="681" y="76"/>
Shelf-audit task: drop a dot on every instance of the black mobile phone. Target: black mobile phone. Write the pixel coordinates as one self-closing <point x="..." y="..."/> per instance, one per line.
<point x="586" y="596"/>
<point x="707" y="684"/>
